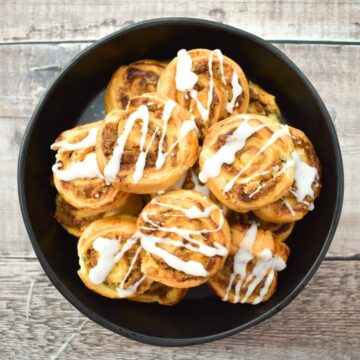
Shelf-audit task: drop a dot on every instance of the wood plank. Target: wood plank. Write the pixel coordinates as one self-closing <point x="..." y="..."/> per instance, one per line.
<point x="32" y="67"/>
<point x="330" y="328"/>
<point x="92" y="19"/>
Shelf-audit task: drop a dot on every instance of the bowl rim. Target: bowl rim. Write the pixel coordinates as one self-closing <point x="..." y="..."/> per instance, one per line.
<point x="164" y="341"/>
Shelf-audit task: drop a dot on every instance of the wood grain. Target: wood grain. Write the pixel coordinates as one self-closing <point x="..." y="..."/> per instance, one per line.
<point x="331" y="69"/>
<point x="331" y="325"/>
<point x="92" y="19"/>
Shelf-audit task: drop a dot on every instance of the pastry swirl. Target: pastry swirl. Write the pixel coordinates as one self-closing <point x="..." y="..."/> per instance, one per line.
<point x="76" y="174"/>
<point x="296" y="203"/>
<point x="131" y="80"/>
<point x="185" y="236"/>
<point x="246" y="161"/>
<point x="263" y="103"/>
<point x="110" y="258"/>
<point x="75" y="221"/>
<point x="250" y="271"/>
<point x="162" y="294"/>
<point x="280" y="231"/>
<point x="148" y="147"/>
<point x="209" y="84"/>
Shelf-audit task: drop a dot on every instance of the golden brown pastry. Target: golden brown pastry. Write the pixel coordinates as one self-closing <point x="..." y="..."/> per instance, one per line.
<point x="75" y="221"/>
<point x="295" y="204"/>
<point x="246" y="161"/>
<point x="131" y="80"/>
<point x="110" y="258"/>
<point x="148" y="147"/>
<point x="250" y="271"/>
<point x="263" y="103"/>
<point x="161" y="294"/>
<point x="280" y="231"/>
<point x="185" y="236"/>
<point x="209" y="84"/>
<point x="76" y="174"/>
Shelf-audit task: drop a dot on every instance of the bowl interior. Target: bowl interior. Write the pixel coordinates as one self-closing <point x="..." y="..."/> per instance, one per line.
<point x="77" y="97"/>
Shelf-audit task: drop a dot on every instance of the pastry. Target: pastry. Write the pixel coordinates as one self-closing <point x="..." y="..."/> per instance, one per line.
<point x="185" y="236"/>
<point x="263" y="103"/>
<point x="250" y="271"/>
<point x="148" y="147"/>
<point x="75" y="221"/>
<point x="162" y="294"/>
<point x="110" y="257"/>
<point x="280" y="231"/>
<point x="76" y="174"/>
<point x="299" y="199"/>
<point x="207" y="83"/>
<point x="130" y="80"/>
<point x="246" y="161"/>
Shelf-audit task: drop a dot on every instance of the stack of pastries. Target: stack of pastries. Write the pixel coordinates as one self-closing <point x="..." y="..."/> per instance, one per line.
<point x="191" y="178"/>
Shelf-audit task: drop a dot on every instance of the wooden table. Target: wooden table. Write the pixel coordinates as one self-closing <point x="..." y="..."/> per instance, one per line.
<point x="37" y="38"/>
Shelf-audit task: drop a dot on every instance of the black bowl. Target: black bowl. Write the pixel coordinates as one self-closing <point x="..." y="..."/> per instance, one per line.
<point x="76" y="96"/>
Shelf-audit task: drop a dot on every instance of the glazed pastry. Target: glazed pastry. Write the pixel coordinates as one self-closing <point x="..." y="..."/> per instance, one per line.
<point x="110" y="257"/>
<point x="280" y="231"/>
<point x="295" y="204"/>
<point x="246" y="161"/>
<point x="209" y="84"/>
<point x="76" y="173"/>
<point x="130" y="80"/>
<point x="185" y="236"/>
<point x="263" y="103"/>
<point x="75" y="221"/>
<point x="161" y="294"/>
<point x="148" y="147"/>
<point x="250" y="272"/>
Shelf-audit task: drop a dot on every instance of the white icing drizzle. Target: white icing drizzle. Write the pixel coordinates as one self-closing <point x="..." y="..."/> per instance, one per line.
<point x="241" y="259"/>
<point x="192" y="213"/>
<point x="221" y="61"/>
<point x="141" y="161"/>
<point x="287" y="204"/>
<point x="289" y="163"/>
<point x="236" y="92"/>
<point x="149" y="242"/>
<point x="284" y="131"/>
<point x="304" y="177"/>
<point x="113" y="166"/>
<point x="88" y="168"/>
<point x="266" y="261"/>
<point x="109" y="256"/>
<point x="185" y="79"/>
<point x="191" y="267"/>
<point x="226" y="154"/>
<point x="168" y="109"/>
<point x="87" y="142"/>
<point x="122" y="292"/>
<point x="198" y="186"/>
<point x="186" y="127"/>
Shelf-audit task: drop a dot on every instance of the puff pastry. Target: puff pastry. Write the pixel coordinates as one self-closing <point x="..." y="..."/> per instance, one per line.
<point x="208" y="83"/>
<point x="246" y="161"/>
<point x="75" y="221"/>
<point x="280" y="231"/>
<point x="76" y="173"/>
<point x="110" y="258"/>
<point x="148" y="147"/>
<point x="130" y="80"/>
<point x="263" y="103"/>
<point x="299" y="199"/>
<point x="250" y="272"/>
<point x="185" y="236"/>
<point x="162" y="294"/>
